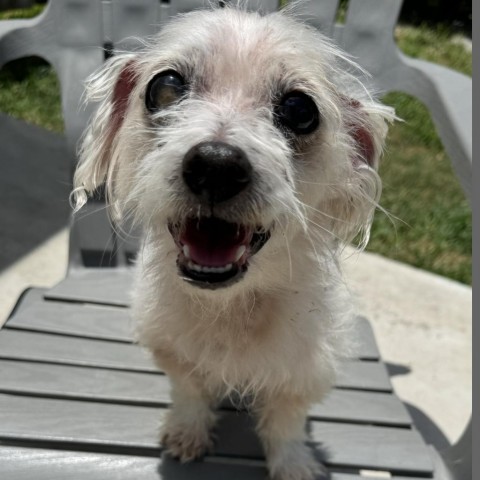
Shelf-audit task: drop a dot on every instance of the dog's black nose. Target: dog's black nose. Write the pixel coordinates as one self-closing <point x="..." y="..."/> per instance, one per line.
<point x="216" y="171"/>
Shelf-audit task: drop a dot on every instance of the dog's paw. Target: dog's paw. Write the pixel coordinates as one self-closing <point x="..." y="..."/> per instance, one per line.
<point x="186" y="442"/>
<point x="186" y="445"/>
<point x="295" y="462"/>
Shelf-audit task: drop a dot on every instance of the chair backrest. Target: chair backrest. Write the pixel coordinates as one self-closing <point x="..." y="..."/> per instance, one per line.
<point x="75" y="36"/>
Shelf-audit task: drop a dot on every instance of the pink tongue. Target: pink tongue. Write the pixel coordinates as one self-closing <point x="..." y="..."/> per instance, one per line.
<point x="213" y="242"/>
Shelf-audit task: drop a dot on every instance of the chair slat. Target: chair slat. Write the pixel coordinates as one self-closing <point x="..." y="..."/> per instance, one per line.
<point x="52" y="348"/>
<point x="319" y="13"/>
<point x="21" y="345"/>
<point x="72" y="382"/>
<point x="44" y="464"/>
<point x="75" y="382"/>
<point x="264" y="6"/>
<point x="364" y="376"/>
<point x="368" y="34"/>
<point x="111" y="323"/>
<point x="75" y="319"/>
<point x="124" y="428"/>
<point x="103" y="286"/>
<point x="363" y="407"/>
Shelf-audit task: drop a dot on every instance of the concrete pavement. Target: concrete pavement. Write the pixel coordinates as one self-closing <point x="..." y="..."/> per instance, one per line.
<point x="423" y="325"/>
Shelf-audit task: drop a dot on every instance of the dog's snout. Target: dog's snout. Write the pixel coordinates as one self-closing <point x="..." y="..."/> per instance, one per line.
<point x="216" y="171"/>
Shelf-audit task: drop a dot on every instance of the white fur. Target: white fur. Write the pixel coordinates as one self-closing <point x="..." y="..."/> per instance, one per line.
<point x="277" y="334"/>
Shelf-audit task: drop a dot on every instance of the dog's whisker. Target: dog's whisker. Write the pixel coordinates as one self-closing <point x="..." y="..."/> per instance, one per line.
<point x="316" y="210"/>
<point x="326" y="230"/>
<point x="321" y="184"/>
<point x="315" y="253"/>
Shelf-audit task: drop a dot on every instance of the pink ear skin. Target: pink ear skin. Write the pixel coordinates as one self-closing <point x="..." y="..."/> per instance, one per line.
<point x="362" y="136"/>
<point x="126" y="82"/>
<point x="365" y="145"/>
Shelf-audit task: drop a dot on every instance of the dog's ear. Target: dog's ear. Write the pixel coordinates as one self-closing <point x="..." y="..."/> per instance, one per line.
<point x="367" y="127"/>
<point x="111" y="87"/>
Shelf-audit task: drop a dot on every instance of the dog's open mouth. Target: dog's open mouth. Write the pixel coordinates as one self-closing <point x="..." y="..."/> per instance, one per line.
<point x="215" y="253"/>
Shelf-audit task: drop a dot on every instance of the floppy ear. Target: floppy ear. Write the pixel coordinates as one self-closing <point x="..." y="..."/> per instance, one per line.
<point x="366" y="124"/>
<point x="111" y="87"/>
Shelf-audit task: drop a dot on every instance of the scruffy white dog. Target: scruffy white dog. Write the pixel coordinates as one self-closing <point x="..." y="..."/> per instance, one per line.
<point x="247" y="150"/>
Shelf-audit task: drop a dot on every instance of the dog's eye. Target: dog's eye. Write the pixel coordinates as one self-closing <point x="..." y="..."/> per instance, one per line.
<point x="298" y="112"/>
<point x="164" y="89"/>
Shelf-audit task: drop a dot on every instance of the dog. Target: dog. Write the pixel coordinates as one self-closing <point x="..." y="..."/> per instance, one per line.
<point x="246" y="147"/>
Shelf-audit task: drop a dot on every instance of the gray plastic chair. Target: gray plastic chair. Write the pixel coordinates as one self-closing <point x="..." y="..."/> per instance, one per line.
<point x="79" y="400"/>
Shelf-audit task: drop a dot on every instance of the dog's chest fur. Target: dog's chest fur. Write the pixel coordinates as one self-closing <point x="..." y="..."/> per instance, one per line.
<point x="254" y="341"/>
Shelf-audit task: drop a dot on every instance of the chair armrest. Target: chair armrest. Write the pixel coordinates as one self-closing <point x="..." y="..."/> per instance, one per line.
<point x="17" y="39"/>
<point x="448" y="96"/>
<point x="68" y="34"/>
<point x="6" y="26"/>
<point x="454" y="91"/>
<point x="368" y="36"/>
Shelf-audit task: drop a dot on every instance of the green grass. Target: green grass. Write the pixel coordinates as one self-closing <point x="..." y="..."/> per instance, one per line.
<point x="19" y="13"/>
<point x="437" y="45"/>
<point x="29" y="88"/>
<point x="433" y="230"/>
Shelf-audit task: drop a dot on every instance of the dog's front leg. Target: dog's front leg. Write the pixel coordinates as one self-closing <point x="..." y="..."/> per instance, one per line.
<point x="186" y="432"/>
<point x="281" y="428"/>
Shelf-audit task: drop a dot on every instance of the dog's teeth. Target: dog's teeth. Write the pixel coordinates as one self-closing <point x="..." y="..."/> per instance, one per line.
<point x="194" y="266"/>
<point x="224" y="269"/>
<point x="241" y="250"/>
<point x="202" y="269"/>
<point x="186" y="251"/>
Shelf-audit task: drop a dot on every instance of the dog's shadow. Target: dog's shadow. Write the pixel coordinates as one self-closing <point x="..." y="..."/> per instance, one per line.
<point x="234" y="433"/>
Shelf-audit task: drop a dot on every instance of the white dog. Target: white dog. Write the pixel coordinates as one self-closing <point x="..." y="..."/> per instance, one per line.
<point x="247" y="150"/>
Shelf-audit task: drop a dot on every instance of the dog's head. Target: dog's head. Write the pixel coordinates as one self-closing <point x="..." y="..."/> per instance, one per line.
<point x="233" y="137"/>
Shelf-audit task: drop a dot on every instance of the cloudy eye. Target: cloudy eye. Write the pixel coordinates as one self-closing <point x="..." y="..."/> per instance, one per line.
<point x="164" y="89"/>
<point x="298" y="112"/>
